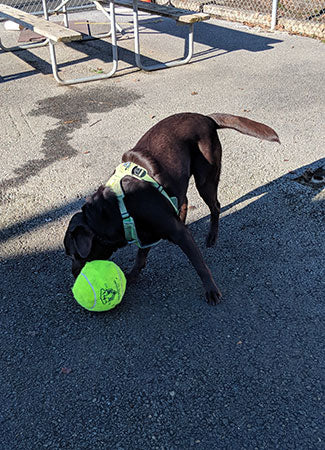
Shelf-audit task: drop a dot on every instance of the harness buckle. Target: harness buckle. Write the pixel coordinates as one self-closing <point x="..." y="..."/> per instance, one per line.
<point x="139" y="172"/>
<point x="125" y="215"/>
<point x="130" y="230"/>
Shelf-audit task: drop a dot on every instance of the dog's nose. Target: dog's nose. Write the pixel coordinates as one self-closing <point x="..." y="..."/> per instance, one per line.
<point x="76" y="268"/>
<point x="75" y="273"/>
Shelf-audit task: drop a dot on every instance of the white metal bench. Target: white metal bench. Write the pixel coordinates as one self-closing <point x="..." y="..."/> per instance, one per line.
<point x="55" y="33"/>
<point x="181" y="16"/>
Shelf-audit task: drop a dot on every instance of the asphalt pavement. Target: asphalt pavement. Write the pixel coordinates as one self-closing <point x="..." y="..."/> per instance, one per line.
<point x="164" y="370"/>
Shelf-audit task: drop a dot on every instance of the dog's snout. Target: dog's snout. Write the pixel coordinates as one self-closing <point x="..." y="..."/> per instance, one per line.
<point x="76" y="267"/>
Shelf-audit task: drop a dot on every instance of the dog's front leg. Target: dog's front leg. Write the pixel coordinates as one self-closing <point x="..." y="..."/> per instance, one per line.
<point x="183" y="238"/>
<point x="139" y="264"/>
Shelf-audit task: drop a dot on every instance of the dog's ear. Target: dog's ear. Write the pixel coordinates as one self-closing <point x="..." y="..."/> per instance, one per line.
<point x="79" y="237"/>
<point x="83" y="239"/>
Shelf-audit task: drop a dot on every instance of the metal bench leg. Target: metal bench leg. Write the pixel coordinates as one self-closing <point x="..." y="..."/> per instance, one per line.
<point x="31" y="45"/>
<point x="23" y="46"/>
<point x="27" y="46"/>
<point x="93" y="77"/>
<point x="188" y="53"/>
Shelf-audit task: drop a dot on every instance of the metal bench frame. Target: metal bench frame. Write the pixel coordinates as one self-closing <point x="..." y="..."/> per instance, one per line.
<point x="183" y="17"/>
<point x="102" y="76"/>
<point x="51" y="43"/>
<point x="187" y="55"/>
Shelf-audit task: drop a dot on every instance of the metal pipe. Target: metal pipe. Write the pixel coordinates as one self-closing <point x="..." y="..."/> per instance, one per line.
<point x="45" y="10"/>
<point x="274" y="14"/>
<point x="65" y="16"/>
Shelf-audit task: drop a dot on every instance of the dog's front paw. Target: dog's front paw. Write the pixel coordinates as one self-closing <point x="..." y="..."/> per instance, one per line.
<point x="213" y="296"/>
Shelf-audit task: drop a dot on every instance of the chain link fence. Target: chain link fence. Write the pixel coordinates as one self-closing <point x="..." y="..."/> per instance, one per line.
<point x="35" y="6"/>
<point x="305" y="17"/>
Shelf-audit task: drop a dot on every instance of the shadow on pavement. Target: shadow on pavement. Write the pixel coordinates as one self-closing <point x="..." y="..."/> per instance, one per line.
<point x="164" y="363"/>
<point x="214" y="36"/>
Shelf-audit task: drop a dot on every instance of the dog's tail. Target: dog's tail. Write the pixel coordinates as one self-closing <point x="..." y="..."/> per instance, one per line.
<point x="245" y="126"/>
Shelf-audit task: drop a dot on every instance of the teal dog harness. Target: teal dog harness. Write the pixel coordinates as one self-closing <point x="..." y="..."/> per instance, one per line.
<point x="114" y="183"/>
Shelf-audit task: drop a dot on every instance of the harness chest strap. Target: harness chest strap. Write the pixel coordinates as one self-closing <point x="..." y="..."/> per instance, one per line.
<point x="114" y="183"/>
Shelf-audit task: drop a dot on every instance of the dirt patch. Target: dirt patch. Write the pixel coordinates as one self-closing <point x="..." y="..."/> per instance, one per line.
<point x="72" y="109"/>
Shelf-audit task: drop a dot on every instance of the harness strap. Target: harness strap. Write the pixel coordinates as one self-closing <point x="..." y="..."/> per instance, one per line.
<point x="114" y="183"/>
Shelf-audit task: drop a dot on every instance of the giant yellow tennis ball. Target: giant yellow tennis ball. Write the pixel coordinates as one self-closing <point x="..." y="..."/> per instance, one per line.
<point x="100" y="286"/>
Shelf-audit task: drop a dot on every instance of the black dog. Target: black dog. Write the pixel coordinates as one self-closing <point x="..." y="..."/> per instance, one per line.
<point x="171" y="152"/>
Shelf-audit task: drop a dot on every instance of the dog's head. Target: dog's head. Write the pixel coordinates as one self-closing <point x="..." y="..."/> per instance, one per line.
<point x="95" y="232"/>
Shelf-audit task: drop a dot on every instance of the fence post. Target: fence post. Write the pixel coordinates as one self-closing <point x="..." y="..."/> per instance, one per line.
<point x="274" y="13"/>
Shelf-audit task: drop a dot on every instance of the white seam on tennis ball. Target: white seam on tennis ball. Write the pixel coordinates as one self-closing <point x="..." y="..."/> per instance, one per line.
<point x="121" y="284"/>
<point x="92" y="289"/>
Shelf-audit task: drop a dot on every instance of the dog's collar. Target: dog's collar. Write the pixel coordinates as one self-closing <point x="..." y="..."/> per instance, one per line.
<point x="114" y="183"/>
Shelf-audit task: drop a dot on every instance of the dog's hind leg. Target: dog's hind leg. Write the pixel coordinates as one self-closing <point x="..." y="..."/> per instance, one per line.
<point x="206" y="179"/>
<point x="208" y="192"/>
